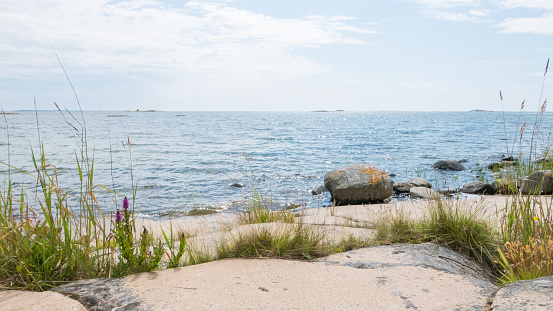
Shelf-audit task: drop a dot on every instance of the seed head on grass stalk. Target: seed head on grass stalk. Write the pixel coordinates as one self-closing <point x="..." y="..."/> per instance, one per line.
<point x="538" y="119"/>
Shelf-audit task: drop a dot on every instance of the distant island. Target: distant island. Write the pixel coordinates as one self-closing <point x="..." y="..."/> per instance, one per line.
<point x="138" y="110"/>
<point x="480" y="110"/>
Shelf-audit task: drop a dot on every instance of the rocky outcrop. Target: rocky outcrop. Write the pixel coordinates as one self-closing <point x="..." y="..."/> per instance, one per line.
<point x="478" y="187"/>
<point x="538" y="182"/>
<point x="535" y="295"/>
<point x="402" y="187"/>
<point x="420" y="182"/>
<point x="423" y="193"/>
<point x="358" y="184"/>
<point x="395" y="277"/>
<point x="448" y="165"/>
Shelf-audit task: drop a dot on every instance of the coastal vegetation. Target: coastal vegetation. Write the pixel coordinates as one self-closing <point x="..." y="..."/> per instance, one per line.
<point x="50" y="235"/>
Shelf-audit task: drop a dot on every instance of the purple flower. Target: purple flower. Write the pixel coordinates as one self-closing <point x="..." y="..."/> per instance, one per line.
<point x="125" y="204"/>
<point x="118" y="216"/>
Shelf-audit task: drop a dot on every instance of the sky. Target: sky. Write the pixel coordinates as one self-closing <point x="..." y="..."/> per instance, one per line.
<point x="266" y="55"/>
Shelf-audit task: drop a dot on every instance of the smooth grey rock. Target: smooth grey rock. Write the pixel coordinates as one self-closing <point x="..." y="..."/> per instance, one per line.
<point x="402" y="187"/>
<point x="429" y="256"/>
<point x="478" y="187"/>
<point x="318" y="190"/>
<point x="535" y="295"/>
<point x="448" y="165"/>
<point x="420" y="182"/>
<point x="538" y="179"/>
<point x="102" y="294"/>
<point x="358" y="184"/>
<point x="423" y="193"/>
<point x="18" y="300"/>
<point x="395" y="277"/>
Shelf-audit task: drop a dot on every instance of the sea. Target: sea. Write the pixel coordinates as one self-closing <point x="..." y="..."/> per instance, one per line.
<point x="175" y="162"/>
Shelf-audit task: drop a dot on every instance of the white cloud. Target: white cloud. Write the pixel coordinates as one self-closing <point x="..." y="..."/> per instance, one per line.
<point x="478" y="13"/>
<point x="542" y="25"/>
<point x="446" y="3"/>
<point x="143" y="36"/>
<point x="535" y="4"/>
<point x="452" y="16"/>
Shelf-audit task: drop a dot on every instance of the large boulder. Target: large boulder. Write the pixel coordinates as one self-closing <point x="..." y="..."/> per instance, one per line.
<point x="538" y="181"/>
<point x="447" y="165"/>
<point x="478" y="187"/>
<point x="420" y="182"/>
<point x="423" y="193"/>
<point x="357" y="184"/>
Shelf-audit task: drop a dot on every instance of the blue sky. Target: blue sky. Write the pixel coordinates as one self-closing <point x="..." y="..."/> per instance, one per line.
<point x="411" y="55"/>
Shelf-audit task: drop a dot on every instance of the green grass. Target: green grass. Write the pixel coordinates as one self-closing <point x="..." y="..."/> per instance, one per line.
<point x="38" y="252"/>
<point x="264" y="215"/>
<point x="462" y="228"/>
<point x="45" y="241"/>
<point x="457" y="225"/>
<point x="289" y="241"/>
<point x="527" y="231"/>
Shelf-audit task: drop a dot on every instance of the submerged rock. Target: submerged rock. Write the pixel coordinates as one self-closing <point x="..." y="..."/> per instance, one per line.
<point x="541" y="160"/>
<point x="501" y="164"/>
<point x="420" y="182"/>
<point x="538" y="182"/>
<point x="448" y="165"/>
<point x="423" y="193"/>
<point x="357" y="184"/>
<point x="319" y="190"/>
<point x="478" y="187"/>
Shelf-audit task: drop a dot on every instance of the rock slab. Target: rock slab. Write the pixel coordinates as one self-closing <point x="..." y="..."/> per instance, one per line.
<point x="11" y="300"/>
<point x="397" y="277"/>
<point x="358" y="184"/>
<point x="535" y="295"/>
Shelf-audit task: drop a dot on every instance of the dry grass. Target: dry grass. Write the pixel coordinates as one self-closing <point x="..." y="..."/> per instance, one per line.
<point x="528" y="261"/>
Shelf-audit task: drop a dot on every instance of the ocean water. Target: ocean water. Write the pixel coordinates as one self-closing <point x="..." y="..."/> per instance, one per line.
<point x="184" y="160"/>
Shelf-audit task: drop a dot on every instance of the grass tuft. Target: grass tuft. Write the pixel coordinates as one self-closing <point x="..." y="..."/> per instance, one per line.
<point x="287" y="241"/>
<point x="462" y="228"/>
